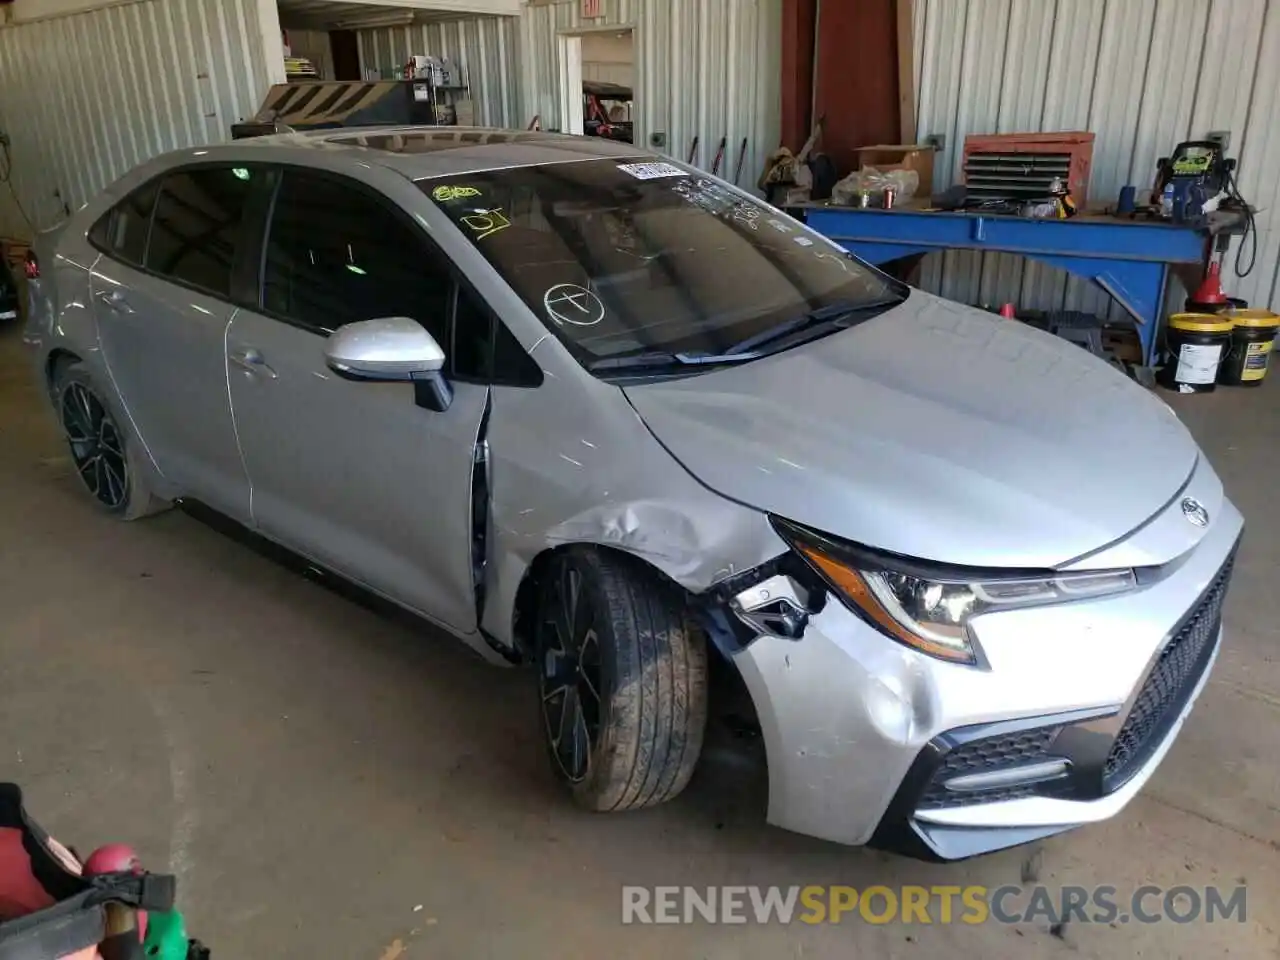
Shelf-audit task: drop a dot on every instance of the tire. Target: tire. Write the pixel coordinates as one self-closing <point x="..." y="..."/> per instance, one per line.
<point x="606" y="624"/>
<point x="101" y="452"/>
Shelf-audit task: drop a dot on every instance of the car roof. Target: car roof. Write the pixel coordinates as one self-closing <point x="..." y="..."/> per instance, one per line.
<point x="424" y="152"/>
<point x="602" y="88"/>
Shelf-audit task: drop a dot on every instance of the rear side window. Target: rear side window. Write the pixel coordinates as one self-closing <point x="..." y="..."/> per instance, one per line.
<point x="197" y="225"/>
<point x="336" y="255"/>
<point x="122" y="233"/>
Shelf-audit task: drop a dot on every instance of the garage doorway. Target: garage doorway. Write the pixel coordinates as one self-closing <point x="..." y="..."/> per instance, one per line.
<point x="598" y="74"/>
<point x="345" y="48"/>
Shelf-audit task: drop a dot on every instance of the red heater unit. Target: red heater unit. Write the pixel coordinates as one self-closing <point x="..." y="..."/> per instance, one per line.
<point x="1020" y="166"/>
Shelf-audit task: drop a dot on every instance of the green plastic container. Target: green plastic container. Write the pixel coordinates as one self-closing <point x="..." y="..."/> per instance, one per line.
<point x="166" y="936"/>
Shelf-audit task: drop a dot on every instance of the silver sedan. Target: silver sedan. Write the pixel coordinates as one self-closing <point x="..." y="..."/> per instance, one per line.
<point x="593" y="410"/>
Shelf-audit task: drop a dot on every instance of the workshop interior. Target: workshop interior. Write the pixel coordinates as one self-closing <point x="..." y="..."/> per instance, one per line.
<point x="1146" y="236"/>
<point x="1011" y="476"/>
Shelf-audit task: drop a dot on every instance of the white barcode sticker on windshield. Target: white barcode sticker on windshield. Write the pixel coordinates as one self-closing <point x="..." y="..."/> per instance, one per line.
<point x="651" y="171"/>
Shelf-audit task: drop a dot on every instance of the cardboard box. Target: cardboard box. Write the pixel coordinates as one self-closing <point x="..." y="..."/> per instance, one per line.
<point x="901" y="156"/>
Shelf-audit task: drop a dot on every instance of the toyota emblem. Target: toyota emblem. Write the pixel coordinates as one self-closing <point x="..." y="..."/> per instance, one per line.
<point x="1195" y="512"/>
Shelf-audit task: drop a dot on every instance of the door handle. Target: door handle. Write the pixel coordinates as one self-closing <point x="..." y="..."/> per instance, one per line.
<point x="115" y="300"/>
<point x="252" y="362"/>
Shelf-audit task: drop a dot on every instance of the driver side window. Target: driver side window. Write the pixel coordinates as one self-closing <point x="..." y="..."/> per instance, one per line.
<point x="335" y="255"/>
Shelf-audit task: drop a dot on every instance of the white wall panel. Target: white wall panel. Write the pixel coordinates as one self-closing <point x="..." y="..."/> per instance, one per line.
<point x="606" y="71"/>
<point x="1141" y="74"/>
<point x="87" y="96"/>
<point x="485" y="48"/>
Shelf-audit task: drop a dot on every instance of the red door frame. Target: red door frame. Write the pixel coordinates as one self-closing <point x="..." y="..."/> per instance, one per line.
<point x="858" y="94"/>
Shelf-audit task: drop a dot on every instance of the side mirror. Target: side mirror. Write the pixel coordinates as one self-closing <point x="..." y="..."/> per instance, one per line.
<point x="391" y="349"/>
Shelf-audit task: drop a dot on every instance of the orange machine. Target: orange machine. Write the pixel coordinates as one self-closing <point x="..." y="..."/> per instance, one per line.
<point x="1021" y="166"/>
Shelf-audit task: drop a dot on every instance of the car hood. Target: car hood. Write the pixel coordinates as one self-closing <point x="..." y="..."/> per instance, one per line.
<point x="936" y="431"/>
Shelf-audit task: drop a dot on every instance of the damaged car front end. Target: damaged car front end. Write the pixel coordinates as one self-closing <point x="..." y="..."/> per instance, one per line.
<point x="1055" y="716"/>
<point x="938" y="709"/>
<point x="950" y="558"/>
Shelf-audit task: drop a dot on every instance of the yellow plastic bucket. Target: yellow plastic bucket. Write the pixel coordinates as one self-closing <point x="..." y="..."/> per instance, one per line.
<point x="1195" y="344"/>
<point x="1253" y="338"/>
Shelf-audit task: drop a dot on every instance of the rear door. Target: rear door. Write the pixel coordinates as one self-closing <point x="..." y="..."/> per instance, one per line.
<point x="162" y="298"/>
<point x="354" y="474"/>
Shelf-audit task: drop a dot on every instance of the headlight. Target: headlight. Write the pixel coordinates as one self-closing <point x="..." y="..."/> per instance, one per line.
<point x="929" y="607"/>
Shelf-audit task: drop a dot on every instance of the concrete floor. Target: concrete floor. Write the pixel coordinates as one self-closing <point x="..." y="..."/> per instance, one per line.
<point x="330" y="782"/>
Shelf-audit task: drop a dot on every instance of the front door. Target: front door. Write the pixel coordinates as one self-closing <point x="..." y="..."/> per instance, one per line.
<point x="160" y="297"/>
<point x="354" y="474"/>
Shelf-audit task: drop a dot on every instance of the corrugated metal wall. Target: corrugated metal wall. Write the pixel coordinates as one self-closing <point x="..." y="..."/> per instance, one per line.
<point x="705" y="68"/>
<point x="485" y="47"/>
<point x="84" y="97"/>
<point x="1141" y="74"/>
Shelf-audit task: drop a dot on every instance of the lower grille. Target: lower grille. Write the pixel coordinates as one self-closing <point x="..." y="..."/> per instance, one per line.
<point x="990" y="753"/>
<point x="1168" y="686"/>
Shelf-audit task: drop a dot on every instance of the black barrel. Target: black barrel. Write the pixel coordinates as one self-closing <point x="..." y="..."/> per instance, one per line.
<point x="1253" y="338"/>
<point x="1195" y="344"/>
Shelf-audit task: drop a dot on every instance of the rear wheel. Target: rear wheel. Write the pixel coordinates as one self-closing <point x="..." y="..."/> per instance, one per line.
<point x="622" y="678"/>
<point x="102" y="455"/>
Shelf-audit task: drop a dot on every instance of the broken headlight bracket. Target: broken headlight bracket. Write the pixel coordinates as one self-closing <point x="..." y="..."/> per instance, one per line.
<point x="777" y="607"/>
<point x="775" y="599"/>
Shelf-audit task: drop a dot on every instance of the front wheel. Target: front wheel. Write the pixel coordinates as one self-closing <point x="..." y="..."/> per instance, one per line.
<point x="622" y="679"/>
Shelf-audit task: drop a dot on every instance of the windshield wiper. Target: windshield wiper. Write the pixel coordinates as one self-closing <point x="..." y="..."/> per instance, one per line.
<point x="651" y="359"/>
<point x="837" y="315"/>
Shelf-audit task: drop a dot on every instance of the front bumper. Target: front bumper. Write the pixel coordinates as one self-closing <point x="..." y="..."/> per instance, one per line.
<point x="858" y="729"/>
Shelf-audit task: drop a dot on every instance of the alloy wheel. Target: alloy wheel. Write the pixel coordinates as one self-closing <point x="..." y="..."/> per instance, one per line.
<point x="96" y="446"/>
<point x="569" y="676"/>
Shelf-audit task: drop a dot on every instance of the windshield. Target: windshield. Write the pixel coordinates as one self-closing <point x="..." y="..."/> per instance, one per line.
<point x="623" y="257"/>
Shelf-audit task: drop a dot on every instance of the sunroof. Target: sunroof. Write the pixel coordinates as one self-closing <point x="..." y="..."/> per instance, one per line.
<point x="429" y="141"/>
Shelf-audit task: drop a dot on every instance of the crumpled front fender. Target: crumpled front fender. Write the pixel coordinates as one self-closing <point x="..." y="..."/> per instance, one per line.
<point x="598" y="476"/>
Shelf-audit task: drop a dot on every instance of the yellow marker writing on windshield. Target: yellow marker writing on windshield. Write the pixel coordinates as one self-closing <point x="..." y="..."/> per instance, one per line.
<point x="485" y="223"/>
<point x="446" y="192"/>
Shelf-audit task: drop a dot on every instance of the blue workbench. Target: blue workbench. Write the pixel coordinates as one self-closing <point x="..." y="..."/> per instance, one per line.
<point x="1129" y="259"/>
